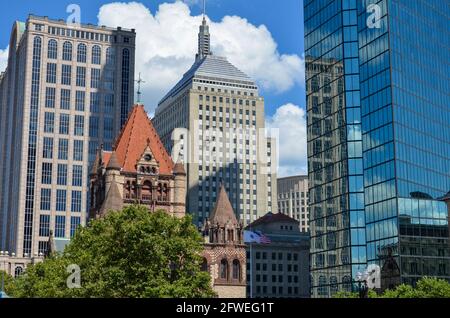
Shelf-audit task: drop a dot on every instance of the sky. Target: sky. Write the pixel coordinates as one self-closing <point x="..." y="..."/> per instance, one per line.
<point x="263" y="38"/>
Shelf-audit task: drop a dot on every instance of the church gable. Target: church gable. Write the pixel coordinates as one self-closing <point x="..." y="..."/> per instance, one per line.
<point x="147" y="163"/>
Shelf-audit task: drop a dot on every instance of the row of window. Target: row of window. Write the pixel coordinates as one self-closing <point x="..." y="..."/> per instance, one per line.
<point x="60" y="226"/>
<point x="67" y="53"/>
<point x="46" y="200"/>
<point x="63" y="149"/>
<point x="80" y="78"/>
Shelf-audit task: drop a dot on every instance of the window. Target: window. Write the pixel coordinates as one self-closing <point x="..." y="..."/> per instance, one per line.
<point x="60" y="226"/>
<point x="109" y="103"/>
<point x="81" y="76"/>
<point x="45" y="199"/>
<point x="224" y="269"/>
<point x="95" y="78"/>
<point x="77" y="176"/>
<point x="64" y="120"/>
<point x="76" y="201"/>
<point x="79" y="100"/>
<point x="62" y="174"/>
<point x="66" y="74"/>
<point x="108" y="128"/>
<point x="50" y="93"/>
<point x="51" y="73"/>
<point x="46" y="173"/>
<point x="124" y="97"/>
<point x="96" y="55"/>
<point x="63" y="149"/>
<point x="67" y="51"/>
<point x="52" y="52"/>
<point x="47" y="149"/>
<point x="236" y="270"/>
<point x="110" y="56"/>
<point x="49" y="122"/>
<point x="18" y="271"/>
<point x="79" y="125"/>
<point x="74" y="224"/>
<point x="78" y="150"/>
<point x="81" y="53"/>
<point x="65" y="99"/>
<point x="93" y="126"/>
<point x="61" y="196"/>
<point x="95" y="103"/>
<point x="44" y="225"/>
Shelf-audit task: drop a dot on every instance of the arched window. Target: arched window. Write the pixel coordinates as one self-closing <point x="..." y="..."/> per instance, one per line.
<point x="52" y="52"/>
<point x="147" y="191"/>
<point x="133" y="190"/>
<point x="128" y="190"/>
<point x="96" y="55"/>
<point x="347" y="283"/>
<point x="236" y="270"/>
<point x="223" y="269"/>
<point x="81" y="53"/>
<point x="322" y="290"/>
<point x="67" y="51"/>
<point x="160" y="191"/>
<point x="333" y="285"/>
<point x="18" y="271"/>
<point x="204" y="265"/>
<point x="110" y="56"/>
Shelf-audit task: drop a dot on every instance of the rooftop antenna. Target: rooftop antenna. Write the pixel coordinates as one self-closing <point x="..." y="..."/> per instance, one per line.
<point x="139" y="93"/>
<point x="204" y="9"/>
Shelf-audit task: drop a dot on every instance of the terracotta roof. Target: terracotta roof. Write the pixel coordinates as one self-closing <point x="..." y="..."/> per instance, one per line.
<point x="223" y="211"/>
<point x="113" y="163"/>
<point x="137" y="133"/>
<point x="270" y="217"/>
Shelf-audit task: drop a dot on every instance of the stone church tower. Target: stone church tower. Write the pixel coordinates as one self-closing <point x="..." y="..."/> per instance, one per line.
<point x="224" y="250"/>
<point x="138" y="171"/>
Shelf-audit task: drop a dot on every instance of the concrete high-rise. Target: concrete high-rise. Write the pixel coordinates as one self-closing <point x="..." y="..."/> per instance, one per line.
<point x="293" y="197"/>
<point x="213" y="121"/>
<point x="378" y="147"/>
<point x="67" y="89"/>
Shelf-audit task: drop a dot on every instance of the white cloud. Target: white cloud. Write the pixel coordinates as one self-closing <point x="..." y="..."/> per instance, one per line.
<point x="167" y="43"/>
<point x="4" y="59"/>
<point x="290" y="119"/>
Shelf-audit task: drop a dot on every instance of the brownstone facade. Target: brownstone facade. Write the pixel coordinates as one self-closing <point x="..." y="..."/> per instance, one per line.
<point x="224" y="254"/>
<point x="137" y="171"/>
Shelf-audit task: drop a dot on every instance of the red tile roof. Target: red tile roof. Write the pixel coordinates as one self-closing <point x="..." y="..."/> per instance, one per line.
<point x="137" y="133"/>
<point x="271" y="217"/>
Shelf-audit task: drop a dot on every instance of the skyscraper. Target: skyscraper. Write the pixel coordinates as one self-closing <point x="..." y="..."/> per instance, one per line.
<point x="66" y="90"/>
<point x="378" y="138"/>
<point x="293" y="199"/>
<point x="213" y="121"/>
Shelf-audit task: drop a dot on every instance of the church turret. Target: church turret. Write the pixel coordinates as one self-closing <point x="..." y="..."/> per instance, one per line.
<point x="179" y="190"/>
<point x="224" y="252"/>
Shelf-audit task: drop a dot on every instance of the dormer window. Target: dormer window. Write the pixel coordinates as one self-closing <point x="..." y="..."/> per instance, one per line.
<point x="148" y="157"/>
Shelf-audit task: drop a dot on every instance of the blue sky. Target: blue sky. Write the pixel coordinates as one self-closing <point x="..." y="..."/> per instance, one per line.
<point x="264" y="38"/>
<point x="282" y="18"/>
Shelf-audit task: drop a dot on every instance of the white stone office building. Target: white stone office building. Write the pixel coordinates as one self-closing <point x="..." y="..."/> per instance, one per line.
<point x="213" y="120"/>
<point x="293" y="199"/>
<point x="67" y="89"/>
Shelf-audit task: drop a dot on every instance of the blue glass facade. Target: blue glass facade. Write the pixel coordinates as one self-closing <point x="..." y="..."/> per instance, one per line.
<point x="378" y="138"/>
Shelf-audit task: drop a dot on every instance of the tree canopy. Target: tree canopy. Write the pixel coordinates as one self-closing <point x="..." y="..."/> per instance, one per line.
<point x="127" y="254"/>
<point x="426" y="287"/>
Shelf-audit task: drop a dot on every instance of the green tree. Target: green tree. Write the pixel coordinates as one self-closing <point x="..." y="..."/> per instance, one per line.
<point x="426" y="287"/>
<point x="129" y="253"/>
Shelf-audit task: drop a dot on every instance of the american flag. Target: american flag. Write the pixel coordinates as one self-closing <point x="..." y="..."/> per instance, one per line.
<point x="265" y="239"/>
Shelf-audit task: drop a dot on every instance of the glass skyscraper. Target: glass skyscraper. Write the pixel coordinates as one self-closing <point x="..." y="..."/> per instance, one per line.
<point x="378" y="100"/>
